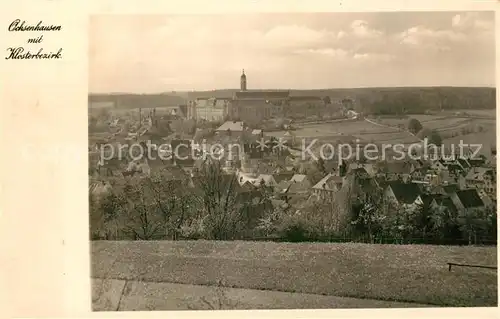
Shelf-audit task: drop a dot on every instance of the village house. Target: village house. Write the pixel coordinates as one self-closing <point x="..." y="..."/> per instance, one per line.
<point x="327" y="186"/>
<point x="364" y="168"/>
<point x="434" y="202"/>
<point x="210" y="109"/>
<point x="446" y="203"/>
<point x="397" y="170"/>
<point x="438" y="165"/>
<point x="482" y="178"/>
<point x="231" y="128"/>
<point x="419" y="174"/>
<point x="467" y="200"/>
<point x="297" y="186"/>
<point x="402" y="194"/>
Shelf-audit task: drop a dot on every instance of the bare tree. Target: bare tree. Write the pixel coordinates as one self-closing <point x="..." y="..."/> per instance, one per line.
<point x="172" y="200"/>
<point x="217" y="199"/>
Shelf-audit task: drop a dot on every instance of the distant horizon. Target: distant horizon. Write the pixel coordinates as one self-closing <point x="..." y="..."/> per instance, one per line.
<point x="293" y="89"/>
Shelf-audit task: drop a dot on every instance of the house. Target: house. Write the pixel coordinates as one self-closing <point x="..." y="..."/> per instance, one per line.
<point x="485" y="197"/>
<point x="467" y="200"/>
<point x="282" y="188"/>
<point x="231" y="127"/>
<point x="327" y="186"/>
<point x="418" y="174"/>
<point x="397" y="170"/>
<point x="208" y="108"/>
<point x="302" y="187"/>
<point x="256" y="180"/>
<point x="402" y="194"/>
<point x="446" y="189"/>
<point x="455" y="169"/>
<point x="360" y="172"/>
<point x="463" y="163"/>
<point x="444" y="202"/>
<point x="439" y="165"/>
<point x="417" y="164"/>
<point x="298" y="178"/>
<point x="283" y="176"/>
<point x="298" y="186"/>
<point x="477" y="162"/>
<point x="265" y="179"/>
<point x="482" y="178"/>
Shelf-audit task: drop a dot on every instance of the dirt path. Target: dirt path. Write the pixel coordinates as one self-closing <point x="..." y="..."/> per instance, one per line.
<point x="127" y="295"/>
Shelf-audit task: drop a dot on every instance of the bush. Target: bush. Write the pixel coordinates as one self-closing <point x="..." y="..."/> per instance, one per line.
<point x="295" y="233"/>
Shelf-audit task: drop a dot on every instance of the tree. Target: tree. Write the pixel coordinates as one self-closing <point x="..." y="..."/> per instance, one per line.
<point x="435" y="138"/>
<point x="474" y="224"/>
<point x="414" y="126"/>
<point x="369" y="217"/>
<point x="217" y="202"/>
<point x="92" y="122"/>
<point x="96" y="220"/>
<point x="327" y="100"/>
<point x="135" y="204"/>
<point x="279" y="123"/>
<point x="172" y="201"/>
<point x="423" y="133"/>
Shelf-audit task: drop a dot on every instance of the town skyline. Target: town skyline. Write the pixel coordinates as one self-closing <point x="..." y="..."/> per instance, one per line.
<point x="291" y="51"/>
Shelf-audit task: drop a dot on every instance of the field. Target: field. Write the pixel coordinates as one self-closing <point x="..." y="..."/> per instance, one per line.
<point x="472" y="112"/>
<point x="404" y="273"/>
<point x="486" y="139"/>
<point x="346" y="131"/>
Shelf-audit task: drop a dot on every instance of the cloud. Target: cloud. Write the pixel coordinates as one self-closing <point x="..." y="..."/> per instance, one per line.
<point x="346" y="55"/>
<point x="421" y="35"/>
<point x="296" y="36"/>
<point x="206" y="52"/>
<point x="361" y="29"/>
<point x="328" y="52"/>
<point x="471" y="20"/>
<point x="376" y="57"/>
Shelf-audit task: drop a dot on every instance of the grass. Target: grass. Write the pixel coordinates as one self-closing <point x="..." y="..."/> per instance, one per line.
<point x="413" y="273"/>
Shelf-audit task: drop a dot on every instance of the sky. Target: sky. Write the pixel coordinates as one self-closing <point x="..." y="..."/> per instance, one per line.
<point x="159" y="53"/>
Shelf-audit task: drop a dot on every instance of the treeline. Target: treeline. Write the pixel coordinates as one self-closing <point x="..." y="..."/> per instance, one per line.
<point x="407" y="100"/>
<point x="128" y="101"/>
<point x="430" y="100"/>
<point x="213" y="206"/>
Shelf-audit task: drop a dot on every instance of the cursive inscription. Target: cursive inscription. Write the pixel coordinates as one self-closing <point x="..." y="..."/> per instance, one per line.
<point x="19" y="53"/>
<point x="18" y="25"/>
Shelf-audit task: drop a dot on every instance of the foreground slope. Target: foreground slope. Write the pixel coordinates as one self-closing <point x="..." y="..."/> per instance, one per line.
<point x="404" y="273"/>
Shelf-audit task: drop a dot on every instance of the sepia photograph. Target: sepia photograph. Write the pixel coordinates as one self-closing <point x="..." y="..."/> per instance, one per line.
<point x="292" y="160"/>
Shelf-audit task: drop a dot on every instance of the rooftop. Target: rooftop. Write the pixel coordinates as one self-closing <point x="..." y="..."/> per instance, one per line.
<point x="328" y="182"/>
<point x="233" y="126"/>
<point x="470" y="198"/>
<point x="405" y="193"/>
<point x="259" y="94"/>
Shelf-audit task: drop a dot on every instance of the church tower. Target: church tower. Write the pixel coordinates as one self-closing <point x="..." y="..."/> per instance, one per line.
<point x="243" y="81"/>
